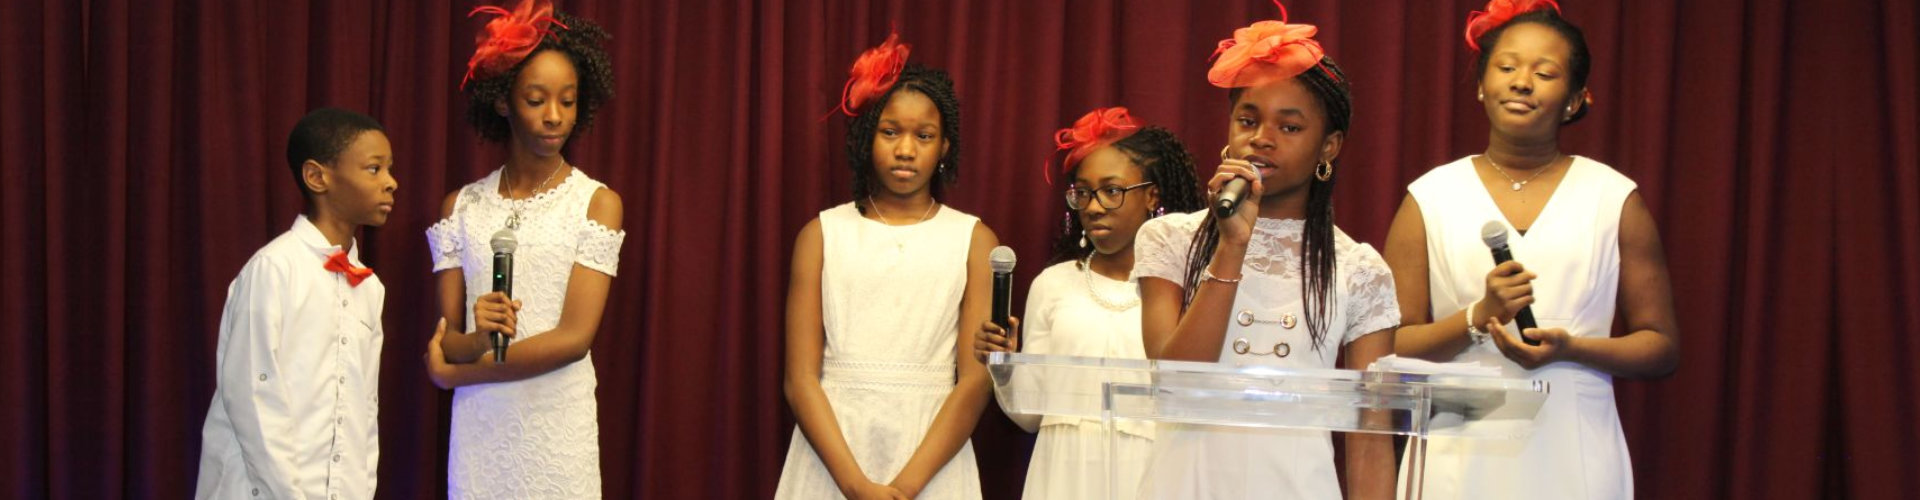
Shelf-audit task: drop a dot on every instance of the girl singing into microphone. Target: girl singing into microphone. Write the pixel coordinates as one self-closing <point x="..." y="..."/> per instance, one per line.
<point x="528" y="427"/>
<point x="1583" y="242"/>
<point x="1275" y="284"/>
<point x="884" y="394"/>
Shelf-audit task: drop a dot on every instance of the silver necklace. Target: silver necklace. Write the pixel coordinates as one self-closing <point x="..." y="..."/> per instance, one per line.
<point x="1086" y="276"/>
<point x="520" y="205"/>
<point x="898" y="244"/>
<point x="1517" y="184"/>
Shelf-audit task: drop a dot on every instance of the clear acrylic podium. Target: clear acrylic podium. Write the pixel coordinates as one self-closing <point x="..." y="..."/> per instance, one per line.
<point x="1414" y="405"/>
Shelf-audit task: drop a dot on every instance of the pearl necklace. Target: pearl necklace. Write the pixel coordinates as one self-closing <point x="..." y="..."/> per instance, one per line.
<point x="1086" y="276"/>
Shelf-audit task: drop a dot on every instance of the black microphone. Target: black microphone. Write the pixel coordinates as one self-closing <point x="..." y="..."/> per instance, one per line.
<point x="1236" y="190"/>
<point x="1230" y="197"/>
<point x="503" y="245"/>
<point x="1495" y="235"/>
<point x="1002" y="261"/>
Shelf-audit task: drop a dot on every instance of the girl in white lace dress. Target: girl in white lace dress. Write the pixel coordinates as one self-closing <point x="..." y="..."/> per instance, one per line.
<point x="1118" y="175"/>
<point x="1583" y="245"/>
<point x="884" y="396"/>
<point x="1275" y="284"/>
<point x="528" y="427"/>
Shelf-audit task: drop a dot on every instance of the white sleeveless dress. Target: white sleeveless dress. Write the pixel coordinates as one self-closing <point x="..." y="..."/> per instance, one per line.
<point x="890" y="299"/>
<point x="1577" y="450"/>
<point x="538" y="437"/>
<point x="1201" y="461"/>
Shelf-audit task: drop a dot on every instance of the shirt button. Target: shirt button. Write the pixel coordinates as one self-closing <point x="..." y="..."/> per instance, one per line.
<point x="263" y="377"/>
<point x="336" y="458"/>
<point x="256" y="492"/>
<point x="343" y="302"/>
<point x="343" y="341"/>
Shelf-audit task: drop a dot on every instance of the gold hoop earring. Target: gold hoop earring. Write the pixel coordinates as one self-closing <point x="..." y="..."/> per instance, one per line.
<point x="1325" y="172"/>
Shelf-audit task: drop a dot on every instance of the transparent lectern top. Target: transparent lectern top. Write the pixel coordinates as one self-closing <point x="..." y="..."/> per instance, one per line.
<point x="1258" y="396"/>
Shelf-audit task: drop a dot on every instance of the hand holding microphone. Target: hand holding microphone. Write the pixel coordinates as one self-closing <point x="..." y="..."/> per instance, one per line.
<point x="1001" y="330"/>
<point x="1237" y="187"/>
<point x="1509" y="291"/>
<point x="501" y="311"/>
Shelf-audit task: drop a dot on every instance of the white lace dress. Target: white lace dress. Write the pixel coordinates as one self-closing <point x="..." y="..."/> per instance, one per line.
<point x="538" y="437"/>
<point x="890" y="300"/>
<point x="1196" y="461"/>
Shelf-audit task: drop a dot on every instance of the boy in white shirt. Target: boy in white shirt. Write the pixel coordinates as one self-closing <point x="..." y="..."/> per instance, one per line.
<point x="296" y="412"/>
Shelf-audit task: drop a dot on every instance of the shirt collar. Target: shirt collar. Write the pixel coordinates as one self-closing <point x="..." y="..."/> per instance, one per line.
<point x="314" y="239"/>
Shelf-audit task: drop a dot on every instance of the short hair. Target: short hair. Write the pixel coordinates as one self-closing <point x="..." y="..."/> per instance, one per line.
<point x="321" y="136"/>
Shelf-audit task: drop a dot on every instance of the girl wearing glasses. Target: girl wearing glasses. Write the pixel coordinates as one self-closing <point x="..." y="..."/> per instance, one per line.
<point x="1121" y="176"/>
<point x="1274" y="284"/>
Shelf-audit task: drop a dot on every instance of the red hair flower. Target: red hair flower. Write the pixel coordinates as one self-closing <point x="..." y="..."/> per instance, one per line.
<point x="509" y="38"/>
<point x="1499" y="12"/>
<point x="1098" y="128"/>
<point x="1266" y="52"/>
<point x="874" y="73"/>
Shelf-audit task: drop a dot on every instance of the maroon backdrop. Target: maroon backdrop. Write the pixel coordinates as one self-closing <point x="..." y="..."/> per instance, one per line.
<point x="1775" y="142"/>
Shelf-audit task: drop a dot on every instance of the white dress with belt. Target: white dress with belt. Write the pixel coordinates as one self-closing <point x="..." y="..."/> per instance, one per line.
<point x="890" y="299"/>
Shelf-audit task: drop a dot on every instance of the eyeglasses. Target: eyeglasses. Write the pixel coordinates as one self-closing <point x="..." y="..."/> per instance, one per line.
<point x="1111" y="197"/>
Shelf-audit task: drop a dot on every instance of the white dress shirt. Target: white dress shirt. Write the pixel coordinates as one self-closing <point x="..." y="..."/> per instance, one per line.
<point x="296" y="412"/>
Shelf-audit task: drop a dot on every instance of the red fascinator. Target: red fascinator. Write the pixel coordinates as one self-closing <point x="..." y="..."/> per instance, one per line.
<point x="1098" y="128"/>
<point x="874" y="73"/>
<point x="1499" y="12"/>
<point x="1267" y="51"/>
<point x="508" y="38"/>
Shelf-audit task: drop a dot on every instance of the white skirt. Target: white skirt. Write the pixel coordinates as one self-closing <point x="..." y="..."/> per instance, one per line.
<point x="1070" y="463"/>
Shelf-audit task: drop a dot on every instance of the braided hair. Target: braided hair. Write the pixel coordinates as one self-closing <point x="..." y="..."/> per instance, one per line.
<point x="1328" y="84"/>
<point x="582" y="43"/>
<point x="923" y="80"/>
<point x="1165" y="163"/>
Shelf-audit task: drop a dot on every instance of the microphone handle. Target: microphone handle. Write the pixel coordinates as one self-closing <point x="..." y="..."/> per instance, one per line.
<point x="1524" y="318"/>
<point x="1230" y="196"/>
<point x="1003" y="300"/>
<point x="502" y="282"/>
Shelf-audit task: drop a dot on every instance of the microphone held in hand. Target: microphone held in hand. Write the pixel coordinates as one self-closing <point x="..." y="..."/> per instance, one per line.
<point x="1002" y="260"/>
<point x="1236" y="190"/>
<point x="1495" y="236"/>
<point x="504" y="244"/>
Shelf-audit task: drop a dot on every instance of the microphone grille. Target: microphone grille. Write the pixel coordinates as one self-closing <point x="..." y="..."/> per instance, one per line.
<point x="1494" y="234"/>
<point x="504" y="241"/>
<point x="1002" y="259"/>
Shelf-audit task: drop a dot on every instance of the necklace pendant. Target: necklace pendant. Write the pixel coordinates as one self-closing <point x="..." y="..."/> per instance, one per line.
<point x="1518" y="185"/>
<point x="513" y="221"/>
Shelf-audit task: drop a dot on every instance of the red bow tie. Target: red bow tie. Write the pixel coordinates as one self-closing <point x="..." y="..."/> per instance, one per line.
<point x="338" y="263"/>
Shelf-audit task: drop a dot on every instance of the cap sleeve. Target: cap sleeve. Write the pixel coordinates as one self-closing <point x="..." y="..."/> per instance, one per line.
<point x="1370" y="303"/>
<point x="1160" y="248"/>
<point x="599" y="247"/>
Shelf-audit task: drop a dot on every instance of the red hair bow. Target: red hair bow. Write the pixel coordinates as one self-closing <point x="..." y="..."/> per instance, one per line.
<point x="1098" y="128"/>
<point x="874" y="73"/>
<point x="1266" y="52"/>
<point x="509" y="38"/>
<point x="1499" y="12"/>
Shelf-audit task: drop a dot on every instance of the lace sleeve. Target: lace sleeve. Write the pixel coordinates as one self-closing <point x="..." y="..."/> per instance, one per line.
<point x="1371" y="303"/>
<point x="599" y="247"/>
<point x="1160" y="249"/>
<point x="445" y="242"/>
